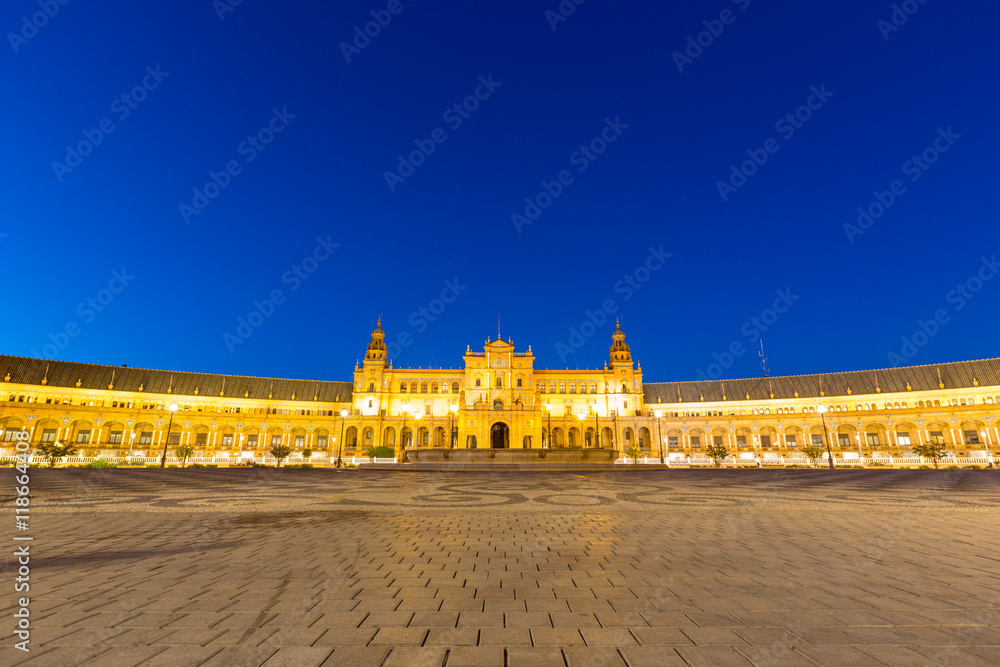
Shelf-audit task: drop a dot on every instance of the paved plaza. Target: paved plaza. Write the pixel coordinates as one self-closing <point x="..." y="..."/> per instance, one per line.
<point x="638" y="568"/>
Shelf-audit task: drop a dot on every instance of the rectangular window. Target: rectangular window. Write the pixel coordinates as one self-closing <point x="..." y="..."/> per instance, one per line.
<point x="765" y="441"/>
<point x="971" y="437"/>
<point x="83" y="437"/>
<point x="791" y="441"/>
<point x="741" y="441"/>
<point x="717" y="440"/>
<point x="115" y="438"/>
<point x="227" y="439"/>
<point x="200" y="439"/>
<point x="321" y="442"/>
<point x="695" y="442"/>
<point x="300" y="441"/>
<point x="843" y="440"/>
<point x="903" y="439"/>
<point x="146" y="438"/>
<point x="49" y="435"/>
<point x="479" y="382"/>
<point x="518" y="382"/>
<point x="174" y="439"/>
<point x="817" y="440"/>
<point x="275" y="440"/>
<point x="10" y="434"/>
<point x="937" y="436"/>
<point x="872" y="439"/>
<point x="672" y="442"/>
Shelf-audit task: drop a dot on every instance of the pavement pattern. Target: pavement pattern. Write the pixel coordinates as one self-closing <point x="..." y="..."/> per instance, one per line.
<point x="513" y="569"/>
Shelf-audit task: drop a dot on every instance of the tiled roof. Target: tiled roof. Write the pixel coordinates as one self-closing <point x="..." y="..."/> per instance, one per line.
<point x="95" y="376"/>
<point x="953" y="375"/>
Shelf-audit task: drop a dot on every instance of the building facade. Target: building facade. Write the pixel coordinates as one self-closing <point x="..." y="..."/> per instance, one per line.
<point x="498" y="399"/>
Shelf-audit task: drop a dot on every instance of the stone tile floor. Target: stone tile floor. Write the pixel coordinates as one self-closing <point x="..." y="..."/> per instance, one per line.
<point x="679" y="567"/>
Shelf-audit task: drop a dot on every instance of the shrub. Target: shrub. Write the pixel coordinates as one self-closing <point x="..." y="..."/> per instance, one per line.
<point x="100" y="463"/>
<point x="380" y="452"/>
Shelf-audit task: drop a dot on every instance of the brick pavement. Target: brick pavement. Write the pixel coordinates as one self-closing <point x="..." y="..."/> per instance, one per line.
<point x="300" y="567"/>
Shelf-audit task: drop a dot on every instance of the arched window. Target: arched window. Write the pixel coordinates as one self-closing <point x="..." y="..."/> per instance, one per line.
<point x="572" y="387"/>
<point x="434" y="387"/>
<point x="583" y="387"/>
<point x="413" y="387"/>
<point x="552" y="387"/>
<point x="541" y="387"/>
<point x="593" y="387"/>
<point x="499" y="382"/>
<point x="402" y="387"/>
<point x="624" y="388"/>
<point x="423" y="387"/>
<point x="454" y="386"/>
<point x="444" y="387"/>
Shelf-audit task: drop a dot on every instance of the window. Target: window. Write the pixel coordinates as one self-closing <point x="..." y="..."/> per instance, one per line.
<point x="593" y="387"/>
<point x="518" y="383"/>
<point x="479" y="383"/>
<point x="83" y="437"/>
<point x="9" y="434"/>
<point x="765" y="441"/>
<point x="844" y="440"/>
<point x="252" y="441"/>
<point x="423" y="387"/>
<point x="791" y="441"/>
<point x="695" y="442"/>
<point x="971" y="437"/>
<point x="402" y="387"/>
<point x="672" y="442"/>
<point x="937" y="436"/>
<point x="872" y="439"/>
<point x="174" y="439"/>
<point x="454" y="386"/>
<point x="276" y="440"/>
<point x="227" y="439"/>
<point x="49" y="435"/>
<point x="300" y="441"/>
<point x="115" y="438"/>
<point x="321" y="442"/>
<point x="499" y="382"/>
<point x="371" y="386"/>
<point x="817" y="440"/>
<point x="741" y="441"/>
<point x="903" y="438"/>
<point x="572" y="387"/>
<point x="200" y="439"/>
<point x="717" y="440"/>
<point x="146" y="438"/>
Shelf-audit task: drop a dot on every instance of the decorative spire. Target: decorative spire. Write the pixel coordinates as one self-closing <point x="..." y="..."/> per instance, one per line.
<point x="878" y="389"/>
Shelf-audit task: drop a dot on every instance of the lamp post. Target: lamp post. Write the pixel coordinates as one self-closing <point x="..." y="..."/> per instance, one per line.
<point x="131" y="439"/>
<point x="402" y="432"/>
<point x="597" y="429"/>
<point x="163" y="460"/>
<point x="583" y="440"/>
<point x="548" y="410"/>
<point x="826" y="435"/>
<point x="340" y="445"/>
<point x="452" y="410"/>
<point x="658" y="414"/>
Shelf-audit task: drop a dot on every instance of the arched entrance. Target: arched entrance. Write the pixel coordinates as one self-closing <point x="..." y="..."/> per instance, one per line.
<point x="500" y="436"/>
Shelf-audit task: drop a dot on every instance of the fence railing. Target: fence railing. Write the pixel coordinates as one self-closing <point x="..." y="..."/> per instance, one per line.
<point x="790" y="460"/>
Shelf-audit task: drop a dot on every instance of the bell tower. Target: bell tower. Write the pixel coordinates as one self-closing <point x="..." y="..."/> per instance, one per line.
<point x="620" y="354"/>
<point x="375" y="353"/>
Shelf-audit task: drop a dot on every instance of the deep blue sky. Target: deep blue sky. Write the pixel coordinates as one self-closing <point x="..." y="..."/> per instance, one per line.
<point x="656" y="185"/>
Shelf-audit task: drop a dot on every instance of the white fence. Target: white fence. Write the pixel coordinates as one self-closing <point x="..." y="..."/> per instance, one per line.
<point x="908" y="461"/>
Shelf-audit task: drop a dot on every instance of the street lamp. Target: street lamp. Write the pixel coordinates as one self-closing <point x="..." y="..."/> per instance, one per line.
<point x="583" y="439"/>
<point x="131" y="439"/>
<point x="826" y="435"/>
<point x="597" y="429"/>
<point x="452" y="410"/>
<point x="548" y="410"/>
<point x="340" y="445"/>
<point x="658" y="414"/>
<point x="173" y="408"/>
